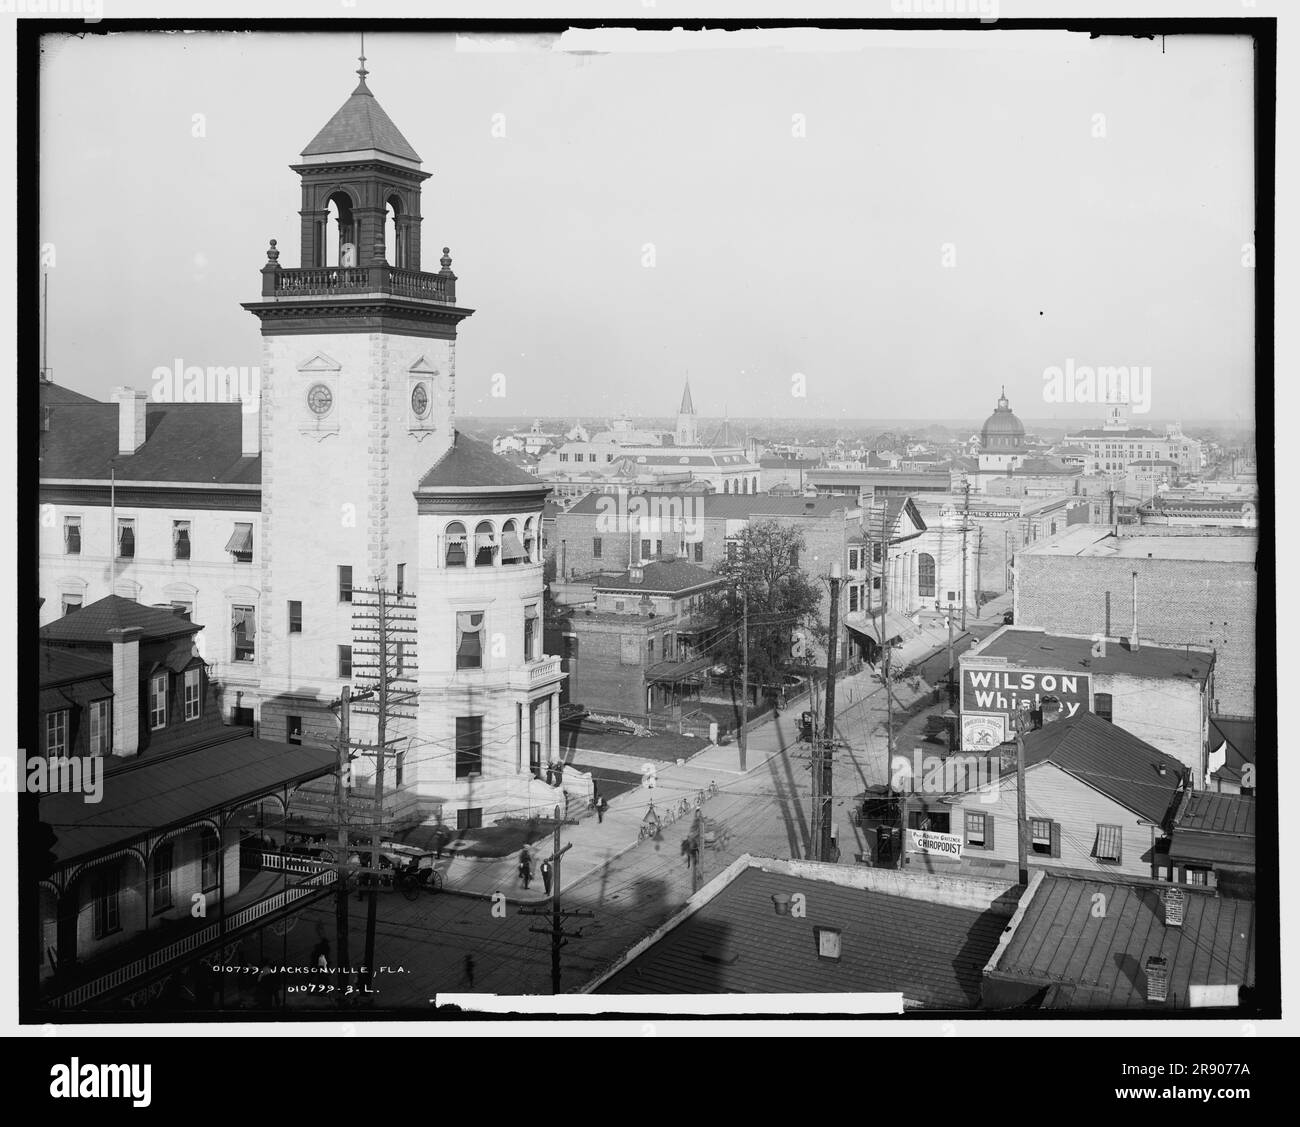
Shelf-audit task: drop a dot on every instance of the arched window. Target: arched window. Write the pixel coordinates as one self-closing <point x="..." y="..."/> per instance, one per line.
<point x="395" y="248"/>
<point x="726" y="487"/>
<point x="925" y="575"/>
<point x="209" y="859"/>
<point x="744" y="485"/>
<point x="341" y="248"/>
<point x="754" y="488"/>
<point x="454" y="538"/>
<point x="529" y="540"/>
<point x="485" y="544"/>
<point x="512" y="548"/>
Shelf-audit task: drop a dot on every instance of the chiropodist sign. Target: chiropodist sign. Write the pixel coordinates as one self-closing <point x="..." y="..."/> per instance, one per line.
<point x="991" y="696"/>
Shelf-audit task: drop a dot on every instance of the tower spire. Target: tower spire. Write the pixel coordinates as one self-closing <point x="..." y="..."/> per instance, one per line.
<point x="362" y="88"/>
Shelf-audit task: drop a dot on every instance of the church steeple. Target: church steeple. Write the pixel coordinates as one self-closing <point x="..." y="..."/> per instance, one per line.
<point x="686" y="434"/>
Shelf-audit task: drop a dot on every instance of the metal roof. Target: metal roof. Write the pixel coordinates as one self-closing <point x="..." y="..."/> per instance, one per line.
<point x="737" y="944"/>
<point x="65" y="667"/>
<point x="144" y="795"/>
<point x="1211" y="812"/>
<point x="1060" y="940"/>
<point x="1112" y="761"/>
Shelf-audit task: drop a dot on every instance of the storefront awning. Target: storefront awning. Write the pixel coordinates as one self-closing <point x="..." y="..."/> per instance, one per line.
<point x="896" y="627"/>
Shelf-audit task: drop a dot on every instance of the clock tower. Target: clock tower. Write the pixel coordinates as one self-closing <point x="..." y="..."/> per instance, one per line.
<point x="357" y="402"/>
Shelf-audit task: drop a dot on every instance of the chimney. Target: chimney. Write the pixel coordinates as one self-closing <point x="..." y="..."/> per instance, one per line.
<point x="1175" y="904"/>
<point x="130" y="418"/>
<point x="1134" y="644"/>
<point x="1157" y="978"/>
<point x="250" y="415"/>
<point x="126" y="690"/>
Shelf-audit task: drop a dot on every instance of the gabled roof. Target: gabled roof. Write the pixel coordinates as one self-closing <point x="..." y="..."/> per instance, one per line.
<point x="662" y="577"/>
<point x="469" y="463"/>
<point x="90" y="625"/>
<point x="359" y="125"/>
<point x="184" y="443"/>
<point x="1111" y="761"/>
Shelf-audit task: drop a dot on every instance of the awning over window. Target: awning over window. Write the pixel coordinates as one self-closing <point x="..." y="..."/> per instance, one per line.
<point x="241" y="540"/>
<point x="530" y="611"/>
<point x="511" y="548"/>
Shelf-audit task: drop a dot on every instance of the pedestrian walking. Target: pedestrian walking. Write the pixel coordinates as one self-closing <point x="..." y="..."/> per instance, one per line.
<point x="546" y="876"/>
<point x="469" y="970"/>
<point x="526" y="868"/>
<point x="601" y="805"/>
<point x="320" y="955"/>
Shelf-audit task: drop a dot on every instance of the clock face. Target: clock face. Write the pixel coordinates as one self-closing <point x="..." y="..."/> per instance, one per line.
<point x="420" y="400"/>
<point x="320" y="399"/>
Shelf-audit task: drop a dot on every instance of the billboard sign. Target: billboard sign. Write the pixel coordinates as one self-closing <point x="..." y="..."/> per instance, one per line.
<point x="944" y="845"/>
<point x="1007" y="691"/>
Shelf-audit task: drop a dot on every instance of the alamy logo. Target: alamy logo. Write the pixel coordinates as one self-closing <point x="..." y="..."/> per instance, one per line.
<point x="101" y="1081"/>
<point x="652" y="514"/>
<point x="953" y="774"/>
<point x="1125" y="384"/>
<point x="182" y="383"/>
<point x="61" y="774"/>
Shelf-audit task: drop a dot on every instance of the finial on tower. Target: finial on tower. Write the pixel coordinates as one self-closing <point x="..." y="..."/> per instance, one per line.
<point x="445" y="260"/>
<point x="362" y="72"/>
<point x="272" y="254"/>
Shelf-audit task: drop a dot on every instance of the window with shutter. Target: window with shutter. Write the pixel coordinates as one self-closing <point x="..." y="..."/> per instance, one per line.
<point x="1040" y="835"/>
<point x="976" y="834"/>
<point x="1110" y="844"/>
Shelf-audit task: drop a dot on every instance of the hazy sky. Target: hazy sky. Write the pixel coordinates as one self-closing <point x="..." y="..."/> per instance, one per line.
<point x="774" y="254"/>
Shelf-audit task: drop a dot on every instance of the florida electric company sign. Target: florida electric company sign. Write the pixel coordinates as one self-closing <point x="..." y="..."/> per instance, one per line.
<point x="990" y="697"/>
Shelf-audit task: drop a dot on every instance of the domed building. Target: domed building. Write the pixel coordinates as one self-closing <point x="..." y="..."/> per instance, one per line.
<point x="1002" y="441"/>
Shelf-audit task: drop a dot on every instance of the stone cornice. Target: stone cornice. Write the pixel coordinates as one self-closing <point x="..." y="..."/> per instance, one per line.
<point x="153" y="495"/>
<point x="358" y="313"/>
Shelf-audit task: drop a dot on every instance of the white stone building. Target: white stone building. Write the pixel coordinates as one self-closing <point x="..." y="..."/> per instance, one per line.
<point x="267" y="523"/>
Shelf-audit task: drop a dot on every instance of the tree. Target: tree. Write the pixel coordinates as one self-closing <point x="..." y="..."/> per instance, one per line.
<point x="764" y="563"/>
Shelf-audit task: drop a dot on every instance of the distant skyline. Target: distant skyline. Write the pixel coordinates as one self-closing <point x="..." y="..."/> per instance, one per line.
<point x="886" y="228"/>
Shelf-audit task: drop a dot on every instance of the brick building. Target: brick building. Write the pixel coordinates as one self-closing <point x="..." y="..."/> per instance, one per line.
<point x="1160" y="694"/>
<point x="1176" y="591"/>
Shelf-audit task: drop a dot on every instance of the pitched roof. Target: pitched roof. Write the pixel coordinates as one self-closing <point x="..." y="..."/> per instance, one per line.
<point x="469" y="463"/>
<point x="361" y="124"/>
<point x="149" y="795"/>
<point x="55" y="395"/>
<point x="1059" y="941"/>
<point x="1211" y="812"/>
<point x="1111" y="761"/>
<point x="687" y="407"/>
<point x="91" y="624"/>
<point x="736" y="944"/>
<point x="65" y="667"/>
<point x="662" y="577"/>
<point x="184" y="442"/>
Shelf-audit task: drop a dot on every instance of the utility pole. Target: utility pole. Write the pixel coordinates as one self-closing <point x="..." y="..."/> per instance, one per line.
<point x="559" y="937"/>
<point x="697" y="831"/>
<point x="744" y="669"/>
<point x="965" y="525"/>
<point x="823" y="765"/>
<point x="1022" y="848"/>
<point x="375" y="628"/>
<point x="344" y="846"/>
<point x="950" y="661"/>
